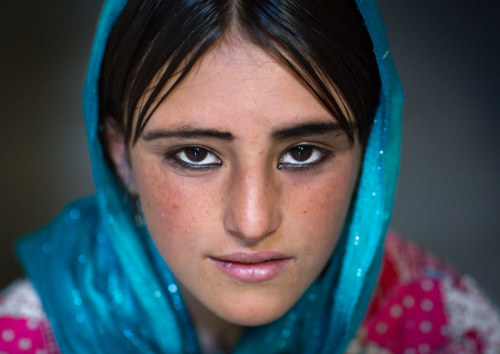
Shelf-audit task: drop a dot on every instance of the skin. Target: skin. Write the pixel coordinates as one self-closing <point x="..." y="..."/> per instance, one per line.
<point x="253" y="196"/>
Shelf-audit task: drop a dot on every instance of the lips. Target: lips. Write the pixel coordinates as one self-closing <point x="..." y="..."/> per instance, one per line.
<point x="252" y="267"/>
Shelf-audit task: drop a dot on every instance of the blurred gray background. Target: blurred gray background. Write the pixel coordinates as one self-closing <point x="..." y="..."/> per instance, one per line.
<point x="448" y="57"/>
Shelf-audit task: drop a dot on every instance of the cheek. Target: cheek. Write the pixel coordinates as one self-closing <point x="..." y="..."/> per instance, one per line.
<point x="175" y="209"/>
<point x="319" y="208"/>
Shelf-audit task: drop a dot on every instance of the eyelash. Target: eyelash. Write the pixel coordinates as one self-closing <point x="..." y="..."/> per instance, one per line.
<point x="324" y="154"/>
<point x="173" y="157"/>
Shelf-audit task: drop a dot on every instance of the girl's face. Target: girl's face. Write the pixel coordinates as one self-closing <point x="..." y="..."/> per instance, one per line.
<point x="245" y="180"/>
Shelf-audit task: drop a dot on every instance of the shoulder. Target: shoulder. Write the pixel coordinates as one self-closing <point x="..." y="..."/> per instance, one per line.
<point x="23" y="324"/>
<point x="423" y="305"/>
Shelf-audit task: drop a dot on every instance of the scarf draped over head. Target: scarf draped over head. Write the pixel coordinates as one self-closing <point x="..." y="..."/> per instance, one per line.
<point x="105" y="288"/>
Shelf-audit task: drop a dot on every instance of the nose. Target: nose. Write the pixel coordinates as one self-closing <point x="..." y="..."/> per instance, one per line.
<point x="252" y="211"/>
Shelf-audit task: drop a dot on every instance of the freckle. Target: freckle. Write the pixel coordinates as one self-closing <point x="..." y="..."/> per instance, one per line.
<point x="175" y="206"/>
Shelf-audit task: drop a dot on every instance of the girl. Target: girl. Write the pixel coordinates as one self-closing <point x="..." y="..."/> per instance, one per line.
<point x="245" y="157"/>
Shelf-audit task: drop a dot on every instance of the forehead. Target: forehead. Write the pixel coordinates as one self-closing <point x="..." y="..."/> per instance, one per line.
<point x="237" y="82"/>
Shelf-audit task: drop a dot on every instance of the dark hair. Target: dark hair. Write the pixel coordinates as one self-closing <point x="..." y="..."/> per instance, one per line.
<point x="324" y="41"/>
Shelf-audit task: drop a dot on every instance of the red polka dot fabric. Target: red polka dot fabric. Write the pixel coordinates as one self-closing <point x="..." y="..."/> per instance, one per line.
<point x="24" y="327"/>
<point x="412" y="320"/>
<point x="422" y="305"/>
<point x="21" y="336"/>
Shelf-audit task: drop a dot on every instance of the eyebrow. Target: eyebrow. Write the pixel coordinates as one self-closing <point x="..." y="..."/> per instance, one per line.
<point x="294" y="131"/>
<point x="308" y="129"/>
<point x="187" y="133"/>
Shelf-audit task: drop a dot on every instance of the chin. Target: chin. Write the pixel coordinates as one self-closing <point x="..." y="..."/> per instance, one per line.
<point x="253" y="319"/>
<point x="253" y="314"/>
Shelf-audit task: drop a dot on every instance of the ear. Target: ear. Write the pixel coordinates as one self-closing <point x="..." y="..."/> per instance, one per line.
<point x="116" y="147"/>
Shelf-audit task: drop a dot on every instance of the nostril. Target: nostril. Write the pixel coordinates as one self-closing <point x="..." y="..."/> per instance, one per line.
<point x="251" y="227"/>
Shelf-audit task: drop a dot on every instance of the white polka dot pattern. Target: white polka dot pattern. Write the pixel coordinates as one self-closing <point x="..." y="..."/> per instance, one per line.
<point x="7" y="335"/>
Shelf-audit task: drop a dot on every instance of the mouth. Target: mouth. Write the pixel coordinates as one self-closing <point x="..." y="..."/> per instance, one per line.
<point x="252" y="267"/>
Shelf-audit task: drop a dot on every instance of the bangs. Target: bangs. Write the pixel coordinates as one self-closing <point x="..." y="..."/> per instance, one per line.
<point x="324" y="42"/>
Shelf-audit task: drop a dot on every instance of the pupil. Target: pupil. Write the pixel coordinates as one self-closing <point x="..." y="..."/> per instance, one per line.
<point x="301" y="153"/>
<point x="196" y="154"/>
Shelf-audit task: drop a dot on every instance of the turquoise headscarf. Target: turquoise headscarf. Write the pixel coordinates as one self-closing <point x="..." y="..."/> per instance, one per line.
<point x="105" y="288"/>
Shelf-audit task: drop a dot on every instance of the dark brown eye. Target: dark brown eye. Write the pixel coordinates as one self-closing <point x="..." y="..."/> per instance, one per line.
<point x="196" y="153"/>
<point x="196" y="157"/>
<point x="301" y="153"/>
<point x="303" y="156"/>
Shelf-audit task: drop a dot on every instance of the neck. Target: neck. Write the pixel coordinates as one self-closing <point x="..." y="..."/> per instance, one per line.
<point x="215" y="335"/>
